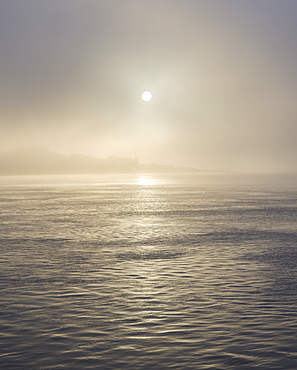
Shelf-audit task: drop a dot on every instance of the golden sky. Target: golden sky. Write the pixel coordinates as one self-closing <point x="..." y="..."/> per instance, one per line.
<point x="222" y="74"/>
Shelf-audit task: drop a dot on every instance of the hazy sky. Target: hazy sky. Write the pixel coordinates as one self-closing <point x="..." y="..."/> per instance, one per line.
<point x="223" y="74"/>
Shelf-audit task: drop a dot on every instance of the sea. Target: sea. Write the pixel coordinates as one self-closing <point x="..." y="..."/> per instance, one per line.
<point x="156" y="271"/>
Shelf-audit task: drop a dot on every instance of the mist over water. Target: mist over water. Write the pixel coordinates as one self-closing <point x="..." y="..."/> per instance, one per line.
<point x="148" y="272"/>
<point x="222" y="75"/>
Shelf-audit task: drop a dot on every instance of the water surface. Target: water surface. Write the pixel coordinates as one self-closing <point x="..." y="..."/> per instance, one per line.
<point x="148" y="272"/>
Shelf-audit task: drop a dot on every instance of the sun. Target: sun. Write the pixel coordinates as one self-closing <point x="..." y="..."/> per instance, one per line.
<point x="146" y="96"/>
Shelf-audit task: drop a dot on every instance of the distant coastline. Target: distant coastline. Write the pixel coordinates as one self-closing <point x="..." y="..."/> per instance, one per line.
<point x="41" y="161"/>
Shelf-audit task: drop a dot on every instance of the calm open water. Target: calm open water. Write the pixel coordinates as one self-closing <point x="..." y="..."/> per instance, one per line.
<point x="148" y="272"/>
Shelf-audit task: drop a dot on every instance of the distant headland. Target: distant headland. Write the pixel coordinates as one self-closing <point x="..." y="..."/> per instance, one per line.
<point x="41" y="161"/>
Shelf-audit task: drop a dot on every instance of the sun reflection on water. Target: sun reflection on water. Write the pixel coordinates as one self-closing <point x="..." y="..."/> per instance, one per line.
<point x="147" y="180"/>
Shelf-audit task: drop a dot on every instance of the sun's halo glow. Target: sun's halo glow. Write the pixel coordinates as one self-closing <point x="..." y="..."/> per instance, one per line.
<point x="146" y="96"/>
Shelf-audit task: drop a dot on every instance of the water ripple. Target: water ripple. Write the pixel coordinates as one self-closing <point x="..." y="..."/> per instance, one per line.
<point x="175" y="275"/>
